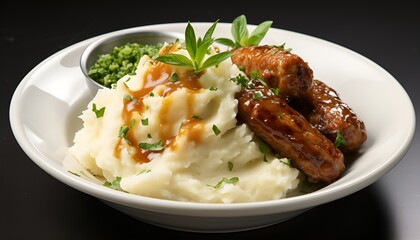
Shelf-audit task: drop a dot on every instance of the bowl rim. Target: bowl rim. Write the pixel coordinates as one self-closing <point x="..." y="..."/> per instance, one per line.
<point x="99" y="40"/>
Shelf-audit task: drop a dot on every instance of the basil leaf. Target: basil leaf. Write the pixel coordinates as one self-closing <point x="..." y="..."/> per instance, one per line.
<point x="210" y="31"/>
<point x="190" y="41"/>
<point x="214" y="60"/>
<point x="225" y="41"/>
<point x="175" y="59"/>
<point x="239" y="30"/>
<point x="201" y="52"/>
<point x="258" y="34"/>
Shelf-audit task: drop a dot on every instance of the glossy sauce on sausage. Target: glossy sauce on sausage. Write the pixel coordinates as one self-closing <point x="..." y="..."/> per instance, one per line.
<point x="289" y="133"/>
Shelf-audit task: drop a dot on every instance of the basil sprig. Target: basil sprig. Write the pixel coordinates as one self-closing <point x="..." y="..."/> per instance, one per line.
<point x="241" y="36"/>
<point x="197" y="50"/>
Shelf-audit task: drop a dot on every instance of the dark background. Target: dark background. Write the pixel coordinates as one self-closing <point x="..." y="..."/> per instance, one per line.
<point x="34" y="205"/>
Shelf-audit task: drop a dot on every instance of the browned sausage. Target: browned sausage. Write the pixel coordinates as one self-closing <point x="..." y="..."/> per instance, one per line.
<point x="289" y="133"/>
<point x="324" y="109"/>
<point x="279" y="68"/>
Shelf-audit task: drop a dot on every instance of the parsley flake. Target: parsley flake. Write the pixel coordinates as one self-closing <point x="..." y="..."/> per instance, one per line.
<point x="114" y="184"/>
<point x="230" y="166"/>
<point x="264" y="150"/>
<point x="232" y="180"/>
<point x="75" y="174"/>
<point x="123" y="132"/>
<point x="133" y="122"/>
<point x="240" y="80"/>
<point x="98" y="112"/>
<point x="157" y="146"/>
<point x="145" y="122"/>
<point x="216" y="130"/>
<point x="144" y="171"/>
<point x="339" y="139"/>
<point x="257" y="95"/>
<point x="196" y="117"/>
<point x="174" y="77"/>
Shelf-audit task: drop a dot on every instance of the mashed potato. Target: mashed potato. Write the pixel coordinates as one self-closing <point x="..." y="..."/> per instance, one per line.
<point x="171" y="134"/>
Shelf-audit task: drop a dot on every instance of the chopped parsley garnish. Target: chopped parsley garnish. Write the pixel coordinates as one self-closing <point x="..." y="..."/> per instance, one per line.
<point x="196" y="117"/>
<point x="232" y="180"/>
<point x="98" y="112"/>
<point x="240" y="80"/>
<point x="144" y="171"/>
<point x="157" y="146"/>
<point x="75" y="174"/>
<point x="275" y="91"/>
<point x="264" y="150"/>
<point x="149" y="135"/>
<point x="339" y="139"/>
<point x="216" y="130"/>
<point x="114" y="184"/>
<point x="129" y="98"/>
<point x="255" y="75"/>
<point x="145" y="122"/>
<point x="257" y="95"/>
<point x="151" y="94"/>
<point x="230" y="166"/>
<point x="197" y="50"/>
<point x="285" y="161"/>
<point x="133" y="122"/>
<point x="174" y="77"/>
<point x="213" y="88"/>
<point x="123" y="132"/>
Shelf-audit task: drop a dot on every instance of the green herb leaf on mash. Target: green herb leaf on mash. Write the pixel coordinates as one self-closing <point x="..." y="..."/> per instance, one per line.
<point x="230" y="166"/>
<point x="75" y="174"/>
<point x="216" y="130"/>
<point x="144" y="171"/>
<point x="241" y="36"/>
<point x="114" y="184"/>
<point x="232" y="180"/>
<point x="157" y="146"/>
<point x="264" y="150"/>
<point x="98" y="112"/>
<point x="123" y="132"/>
<point x="145" y="122"/>
<point x="197" y="49"/>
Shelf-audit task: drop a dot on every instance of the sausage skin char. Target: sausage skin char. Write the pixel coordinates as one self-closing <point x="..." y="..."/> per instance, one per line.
<point x="289" y="133"/>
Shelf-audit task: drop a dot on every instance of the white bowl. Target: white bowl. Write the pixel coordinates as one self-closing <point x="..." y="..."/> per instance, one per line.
<point x="44" y="117"/>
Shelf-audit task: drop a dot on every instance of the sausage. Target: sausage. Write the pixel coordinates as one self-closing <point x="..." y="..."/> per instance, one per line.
<point x="286" y="131"/>
<point x="324" y="109"/>
<point x="277" y="67"/>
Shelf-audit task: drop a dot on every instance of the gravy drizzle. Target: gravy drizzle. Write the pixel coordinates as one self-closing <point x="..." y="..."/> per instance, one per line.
<point x="160" y="74"/>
